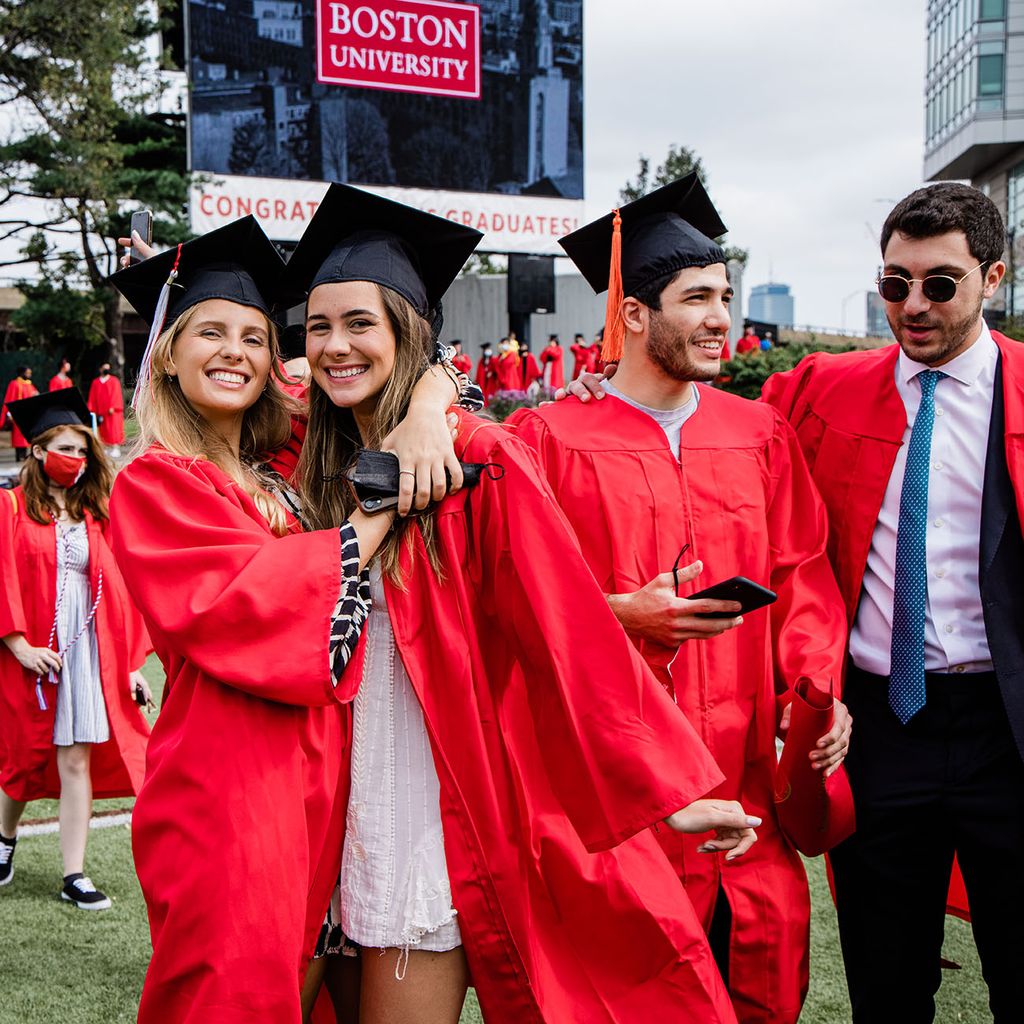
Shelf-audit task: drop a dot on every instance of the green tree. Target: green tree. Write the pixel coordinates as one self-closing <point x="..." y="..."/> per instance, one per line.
<point x="90" y="151"/>
<point x="680" y="161"/>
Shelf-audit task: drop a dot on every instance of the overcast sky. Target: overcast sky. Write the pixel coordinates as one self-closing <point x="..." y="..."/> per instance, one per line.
<point x="808" y="115"/>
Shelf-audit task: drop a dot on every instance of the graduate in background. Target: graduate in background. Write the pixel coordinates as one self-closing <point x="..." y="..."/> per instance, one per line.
<point x="551" y="358"/>
<point x="19" y="388"/>
<point x="61" y="378"/>
<point x="106" y="402"/>
<point x="502" y="779"/>
<point x="530" y="368"/>
<point x="72" y="642"/>
<point x="508" y="365"/>
<point x="460" y="360"/>
<point x="662" y="466"/>
<point x="581" y="355"/>
<point x="487" y="371"/>
<point x="236" y="832"/>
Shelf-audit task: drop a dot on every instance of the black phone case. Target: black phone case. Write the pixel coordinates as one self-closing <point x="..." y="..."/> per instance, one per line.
<point x="749" y="594"/>
<point x="374" y="478"/>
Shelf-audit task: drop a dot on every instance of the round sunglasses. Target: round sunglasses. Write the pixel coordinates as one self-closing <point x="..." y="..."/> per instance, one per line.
<point x="936" y="287"/>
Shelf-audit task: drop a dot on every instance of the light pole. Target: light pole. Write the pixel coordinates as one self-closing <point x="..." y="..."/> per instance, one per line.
<point x="852" y="295"/>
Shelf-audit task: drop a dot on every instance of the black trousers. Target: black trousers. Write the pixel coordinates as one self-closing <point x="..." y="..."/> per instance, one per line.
<point x="949" y="781"/>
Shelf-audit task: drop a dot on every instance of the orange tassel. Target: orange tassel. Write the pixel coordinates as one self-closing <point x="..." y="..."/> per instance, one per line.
<point x="614" y="326"/>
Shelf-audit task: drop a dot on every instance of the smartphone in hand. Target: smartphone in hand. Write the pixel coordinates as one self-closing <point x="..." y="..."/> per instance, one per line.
<point x="749" y="594"/>
<point x="142" y="224"/>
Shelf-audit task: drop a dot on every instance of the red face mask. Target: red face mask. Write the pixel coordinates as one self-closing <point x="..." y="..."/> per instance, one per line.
<point x="63" y="470"/>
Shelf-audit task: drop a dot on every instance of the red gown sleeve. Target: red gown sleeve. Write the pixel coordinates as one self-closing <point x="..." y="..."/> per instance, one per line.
<point x="137" y="640"/>
<point x="12" y="611"/>
<point x="809" y="617"/>
<point x="621" y="756"/>
<point x="217" y="588"/>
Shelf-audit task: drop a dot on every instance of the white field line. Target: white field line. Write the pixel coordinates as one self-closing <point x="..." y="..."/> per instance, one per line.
<point x="45" y="828"/>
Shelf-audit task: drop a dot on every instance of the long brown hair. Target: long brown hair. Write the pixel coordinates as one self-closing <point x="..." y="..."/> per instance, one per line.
<point x="167" y="418"/>
<point x="90" y="494"/>
<point x="333" y="439"/>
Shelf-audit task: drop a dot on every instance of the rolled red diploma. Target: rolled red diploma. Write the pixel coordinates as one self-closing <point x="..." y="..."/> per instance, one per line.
<point x="815" y="813"/>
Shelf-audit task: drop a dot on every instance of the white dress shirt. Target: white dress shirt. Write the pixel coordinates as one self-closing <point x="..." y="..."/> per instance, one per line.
<point x="954" y="626"/>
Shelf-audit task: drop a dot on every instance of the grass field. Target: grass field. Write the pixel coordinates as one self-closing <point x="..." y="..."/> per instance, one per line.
<point x="64" y="965"/>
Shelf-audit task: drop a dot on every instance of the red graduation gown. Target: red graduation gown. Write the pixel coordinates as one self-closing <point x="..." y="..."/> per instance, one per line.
<point x="735" y="495"/>
<point x="28" y="594"/>
<point x="553" y="354"/>
<point x="487" y="376"/>
<point x="59" y="383"/>
<point x="582" y="360"/>
<point x="463" y="363"/>
<point x="553" y="758"/>
<point x="237" y="831"/>
<point x="508" y="372"/>
<point x="850" y="421"/>
<point x="16" y="390"/>
<point x="531" y="370"/>
<point x="107" y="401"/>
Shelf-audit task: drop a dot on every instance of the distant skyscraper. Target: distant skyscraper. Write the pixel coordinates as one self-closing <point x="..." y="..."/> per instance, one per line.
<point x="771" y="304"/>
<point x="876" y="323"/>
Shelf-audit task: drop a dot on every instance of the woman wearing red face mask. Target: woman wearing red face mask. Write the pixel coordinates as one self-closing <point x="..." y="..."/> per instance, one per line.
<point x="71" y="639"/>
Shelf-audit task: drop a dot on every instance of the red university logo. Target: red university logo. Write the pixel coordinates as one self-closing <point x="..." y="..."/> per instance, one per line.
<point x="403" y="45"/>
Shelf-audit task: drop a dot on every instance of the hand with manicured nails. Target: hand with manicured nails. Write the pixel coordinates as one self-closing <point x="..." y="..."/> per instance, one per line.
<point x="140" y="245"/>
<point x="655" y="613"/>
<point x="37" y="660"/>
<point x="733" y="828"/>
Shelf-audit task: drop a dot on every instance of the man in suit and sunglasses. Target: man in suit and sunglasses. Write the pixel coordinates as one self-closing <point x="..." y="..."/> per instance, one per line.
<point x="918" y="452"/>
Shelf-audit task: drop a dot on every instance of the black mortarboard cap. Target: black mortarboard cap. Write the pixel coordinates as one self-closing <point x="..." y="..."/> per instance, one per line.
<point x="34" y="416"/>
<point x="358" y="236"/>
<point x="664" y="231"/>
<point x="661" y="233"/>
<point x="236" y="262"/>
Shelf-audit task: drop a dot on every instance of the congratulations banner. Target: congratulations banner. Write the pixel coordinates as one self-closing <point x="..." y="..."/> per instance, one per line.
<point x="530" y="224"/>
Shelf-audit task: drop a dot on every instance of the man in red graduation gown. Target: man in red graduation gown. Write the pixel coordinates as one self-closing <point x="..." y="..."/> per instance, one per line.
<point x="660" y="466"/>
<point x="106" y="402"/>
<point x="916" y="449"/>
<point x="581" y="355"/>
<point x="61" y="380"/>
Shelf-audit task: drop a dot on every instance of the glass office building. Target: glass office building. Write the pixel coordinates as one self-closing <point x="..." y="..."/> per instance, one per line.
<point x="974" y="114"/>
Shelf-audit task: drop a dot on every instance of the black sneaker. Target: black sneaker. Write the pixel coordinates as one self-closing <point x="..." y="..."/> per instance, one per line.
<point x="7" y="859"/>
<point x="79" y="890"/>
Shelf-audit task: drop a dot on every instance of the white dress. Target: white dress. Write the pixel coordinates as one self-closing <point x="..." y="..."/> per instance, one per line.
<point x="394" y="879"/>
<point x="81" y="715"/>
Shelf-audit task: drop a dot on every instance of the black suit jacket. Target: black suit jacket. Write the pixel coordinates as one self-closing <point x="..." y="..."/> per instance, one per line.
<point x="1002" y="569"/>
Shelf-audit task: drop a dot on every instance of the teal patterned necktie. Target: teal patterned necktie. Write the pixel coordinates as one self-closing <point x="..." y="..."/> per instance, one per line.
<point x="910" y="580"/>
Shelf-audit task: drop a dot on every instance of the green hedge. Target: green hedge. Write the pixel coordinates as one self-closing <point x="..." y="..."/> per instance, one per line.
<point x="745" y="375"/>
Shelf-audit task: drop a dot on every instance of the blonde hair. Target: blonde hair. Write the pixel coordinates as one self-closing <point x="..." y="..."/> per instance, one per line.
<point x="90" y="494"/>
<point x="167" y="418"/>
<point x="333" y="440"/>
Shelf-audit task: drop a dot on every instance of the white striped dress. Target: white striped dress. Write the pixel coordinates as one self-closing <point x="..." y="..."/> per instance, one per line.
<point x="81" y="715"/>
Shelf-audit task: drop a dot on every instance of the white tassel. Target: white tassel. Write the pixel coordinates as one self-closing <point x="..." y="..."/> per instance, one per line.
<point x="159" y="315"/>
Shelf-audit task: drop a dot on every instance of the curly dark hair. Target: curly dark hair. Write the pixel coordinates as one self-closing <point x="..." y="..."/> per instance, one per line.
<point x="949" y="206"/>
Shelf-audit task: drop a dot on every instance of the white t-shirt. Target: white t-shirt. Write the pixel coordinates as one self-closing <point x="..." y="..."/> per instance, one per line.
<point x="670" y="420"/>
